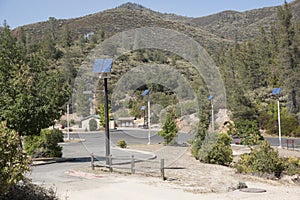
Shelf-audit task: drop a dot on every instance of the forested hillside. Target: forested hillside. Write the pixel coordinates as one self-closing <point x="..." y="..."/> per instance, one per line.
<point x="255" y="51"/>
<point x="252" y="68"/>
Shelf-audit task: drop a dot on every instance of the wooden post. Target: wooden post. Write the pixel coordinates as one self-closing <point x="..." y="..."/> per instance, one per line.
<point x="110" y="163"/>
<point x="162" y="168"/>
<point x="92" y="161"/>
<point x="132" y="164"/>
<point x="290" y="142"/>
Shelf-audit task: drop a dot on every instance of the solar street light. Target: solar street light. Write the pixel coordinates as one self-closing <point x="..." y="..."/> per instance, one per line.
<point x="276" y="91"/>
<point x="103" y="67"/>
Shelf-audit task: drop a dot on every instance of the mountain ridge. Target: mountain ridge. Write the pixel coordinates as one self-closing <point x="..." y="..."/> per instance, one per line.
<point x="210" y="31"/>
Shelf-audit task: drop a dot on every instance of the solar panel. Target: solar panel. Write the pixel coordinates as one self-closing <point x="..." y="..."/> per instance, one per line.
<point x="146" y="92"/>
<point x="210" y="97"/>
<point x="102" y="65"/>
<point x="143" y="108"/>
<point x="276" y="91"/>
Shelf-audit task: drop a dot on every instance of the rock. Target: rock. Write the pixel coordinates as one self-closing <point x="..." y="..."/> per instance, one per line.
<point x="231" y="189"/>
<point x="296" y="178"/>
<point x="241" y="185"/>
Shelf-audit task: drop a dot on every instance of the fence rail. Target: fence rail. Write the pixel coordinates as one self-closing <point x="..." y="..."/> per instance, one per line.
<point x="97" y="161"/>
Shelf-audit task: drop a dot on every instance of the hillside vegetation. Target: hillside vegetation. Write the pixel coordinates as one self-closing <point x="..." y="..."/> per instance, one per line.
<point x="255" y="51"/>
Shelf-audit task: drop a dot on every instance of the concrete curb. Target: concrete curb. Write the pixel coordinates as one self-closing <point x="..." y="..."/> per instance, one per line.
<point x="46" y="161"/>
<point x="153" y="156"/>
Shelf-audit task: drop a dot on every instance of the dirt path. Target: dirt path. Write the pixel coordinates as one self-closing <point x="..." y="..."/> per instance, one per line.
<point x="195" y="180"/>
<point x="197" y="177"/>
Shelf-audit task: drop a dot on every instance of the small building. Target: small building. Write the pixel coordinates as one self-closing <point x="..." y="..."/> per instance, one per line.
<point x="125" y="122"/>
<point x="88" y="36"/>
<point x="85" y="122"/>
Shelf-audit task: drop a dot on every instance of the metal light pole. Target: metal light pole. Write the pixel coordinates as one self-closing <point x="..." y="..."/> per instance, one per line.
<point x="68" y="121"/>
<point x="276" y="91"/>
<point x="212" y="113"/>
<point x="279" y="126"/>
<point x="147" y="92"/>
<point x="149" y="119"/>
<point x="107" y="136"/>
<point x="103" y="67"/>
<point x="143" y="108"/>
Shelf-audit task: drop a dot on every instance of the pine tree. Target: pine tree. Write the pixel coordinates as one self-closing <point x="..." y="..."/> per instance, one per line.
<point x="169" y="129"/>
<point x="82" y="101"/>
<point x="289" y="55"/>
<point x="66" y="37"/>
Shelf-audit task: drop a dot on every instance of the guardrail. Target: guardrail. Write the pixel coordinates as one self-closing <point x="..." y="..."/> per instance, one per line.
<point x="132" y="162"/>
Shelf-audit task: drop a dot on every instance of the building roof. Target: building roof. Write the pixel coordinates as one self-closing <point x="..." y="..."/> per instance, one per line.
<point x="126" y="118"/>
<point x="91" y="116"/>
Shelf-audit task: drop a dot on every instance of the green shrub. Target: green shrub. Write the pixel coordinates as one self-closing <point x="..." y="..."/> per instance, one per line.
<point x="263" y="159"/>
<point x="26" y="190"/>
<point x="72" y="121"/>
<point x="122" y="144"/>
<point x="289" y="121"/>
<point x="296" y="133"/>
<point x="93" y="125"/>
<point x="63" y="123"/>
<point x="13" y="162"/>
<point x="215" y="149"/>
<point x="247" y="130"/>
<point x="45" y="144"/>
<point x="196" y="145"/>
<point x="292" y="165"/>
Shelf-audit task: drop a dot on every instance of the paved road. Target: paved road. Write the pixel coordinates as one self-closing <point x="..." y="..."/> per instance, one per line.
<point x="140" y="136"/>
<point x="275" y="141"/>
<point x="95" y="143"/>
<point x="58" y="174"/>
<point x="131" y="136"/>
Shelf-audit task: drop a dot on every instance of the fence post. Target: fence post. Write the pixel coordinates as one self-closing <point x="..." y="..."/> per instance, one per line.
<point x="162" y="168"/>
<point x="110" y="163"/>
<point x="92" y="161"/>
<point x="132" y="164"/>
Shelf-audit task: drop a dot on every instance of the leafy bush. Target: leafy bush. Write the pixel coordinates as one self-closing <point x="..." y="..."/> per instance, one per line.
<point x="63" y="123"/>
<point x="247" y="130"/>
<point x="196" y="145"/>
<point x="45" y="144"/>
<point x="122" y="144"/>
<point x="72" y="121"/>
<point x="296" y="132"/>
<point x="93" y="125"/>
<point x="25" y="190"/>
<point x="289" y="121"/>
<point x="263" y="159"/>
<point x="13" y="162"/>
<point x="293" y="165"/>
<point x="215" y="149"/>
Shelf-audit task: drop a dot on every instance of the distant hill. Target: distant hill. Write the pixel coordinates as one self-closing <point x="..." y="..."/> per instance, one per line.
<point x="241" y="25"/>
<point x="210" y="31"/>
<point x="125" y="17"/>
<point x="246" y="67"/>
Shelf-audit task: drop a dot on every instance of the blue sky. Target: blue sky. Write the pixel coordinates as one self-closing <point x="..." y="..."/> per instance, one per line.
<point x="21" y="12"/>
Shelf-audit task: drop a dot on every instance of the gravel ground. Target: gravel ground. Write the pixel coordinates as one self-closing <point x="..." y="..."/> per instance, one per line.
<point x="197" y="177"/>
<point x="189" y="180"/>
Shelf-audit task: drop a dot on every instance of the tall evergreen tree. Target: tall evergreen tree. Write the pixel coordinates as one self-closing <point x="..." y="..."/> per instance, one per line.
<point x="66" y="37"/>
<point x="32" y="96"/>
<point x="289" y="55"/>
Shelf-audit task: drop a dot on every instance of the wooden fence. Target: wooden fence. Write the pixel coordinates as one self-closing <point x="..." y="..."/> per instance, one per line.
<point x="130" y="164"/>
